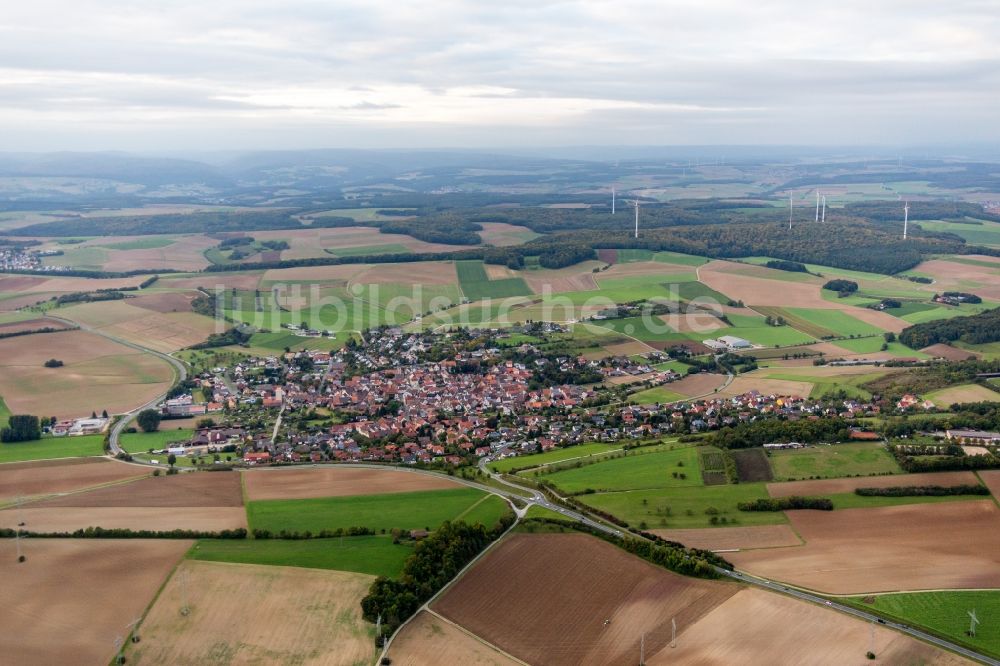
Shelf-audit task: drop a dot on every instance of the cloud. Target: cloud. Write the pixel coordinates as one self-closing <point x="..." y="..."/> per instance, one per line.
<point x="360" y="73"/>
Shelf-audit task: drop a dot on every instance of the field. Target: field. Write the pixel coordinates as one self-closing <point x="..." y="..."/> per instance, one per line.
<point x="413" y="510"/>
<point x="950" y="545"/>
<point x="303" y="483"/>
<point x="759" y="628"/>
<point x="243" y="613"/>
<point x="196" y="501"/>
<point x="825" y="487"/>
<point x="729" y="538"/>
<point x="752" y="465"/>
<point x="49" y="448"/>
<point x="476" y="284"/>
<point x="832" y="461"/>
<point x="553" y="456"/>
<point x="59" y="608"/>
<point x="523" y="597"/>
<point x="964" y="393"/>
<point x="33" y="479"/>
<point x="98" y="374"/>
<point x="429" y="640"/>
<point x="162" y="331"/>
<point x="945" y="614"/>
<point x="638" y="470"/>
<point x="372" y="555"/>
<point x="656" y="394"/>
<point x="140" y="442"/>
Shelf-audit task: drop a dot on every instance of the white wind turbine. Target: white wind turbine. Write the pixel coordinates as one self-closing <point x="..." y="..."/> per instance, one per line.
<point x="973" y="621"/>
<point x="906" y="219"/>
<point x="635" y="204"/>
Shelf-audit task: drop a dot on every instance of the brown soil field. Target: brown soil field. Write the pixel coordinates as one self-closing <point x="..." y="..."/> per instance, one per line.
<point x="574" y="599"/>
<point x="695" y="348"/>
<point x="628" y="348"/>
<point x="882" y="320"/>
<point x="165" y="302"/>
<point x="654" y="269"/>
<point x="24" y="300"/>
<point x="246" y="280"/>
<point x="557" y="284"/>
<point x="254" y="614"/>
<point x="429" y="640"/>
<point x="48" y="477"/>
<point x="954" y="276"/>
<point x="186" y="254"/>
<point x="15" y="283"/>
<point x="502" y="234"/>
<point x="743" y="384"/>
<point x="316" y="273"/>
<point x="949" y="353"/>
<point x="693" y="322"/>
<point x="726" y="538"/>
<point x="951" y="545"/>
<point x="992" y="480"/>
<point x="159" y="518"/>
<point x="759" y="290"/>
<point x="32" y="325"/>
<point x="967" y="393"/>
<point x="340" y="481"/>
<point x="424" y="272"/>
<point x="82" y="284"/>
<point x="163" y="331"/>
<point x="190" y="489"/>
<point x="98" y="374"/>
<point x="69" y="600"/>
<point x="847" y="485"/>
<point x="498" y="272"/>
<point x="698" y="384"/>
<point x="757" y="627"/>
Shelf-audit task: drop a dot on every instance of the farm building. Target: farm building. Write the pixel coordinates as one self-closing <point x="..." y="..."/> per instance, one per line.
<point x="973" y="436"/>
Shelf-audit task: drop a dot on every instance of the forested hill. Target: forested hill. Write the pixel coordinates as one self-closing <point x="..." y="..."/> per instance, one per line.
<point x="976" y="329"/>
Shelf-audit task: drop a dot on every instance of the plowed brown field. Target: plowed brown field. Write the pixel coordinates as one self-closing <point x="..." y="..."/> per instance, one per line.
<point x="847" y="485"/>
<point x="757" y="627"/>
<point x="69" y="600"/>
<point x="157" y="519"/>
<point x="573" y="599"/>
<point x="301" y="483"/>
<point x="952" y="545"/>
<point x="59" y="476"/>
<point x="181" y="490"/>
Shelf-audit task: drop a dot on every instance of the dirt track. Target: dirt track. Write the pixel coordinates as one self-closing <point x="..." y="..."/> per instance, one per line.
<point x="951" y="545"/>
<point x="559" y="599"/>
<point x="301" y="483"/>
<point x="69" y="600"/>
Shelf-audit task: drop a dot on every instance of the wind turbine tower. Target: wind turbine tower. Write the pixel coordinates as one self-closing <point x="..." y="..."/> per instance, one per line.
<point x="791" y="207"/>
<point x="823" y="217"/>
<point x="973" y="621"/>
<point x="612" y="199"/>
<point x="906" y="219"/>
<point x="817" y="206"/>
<point x="636" y="204"/>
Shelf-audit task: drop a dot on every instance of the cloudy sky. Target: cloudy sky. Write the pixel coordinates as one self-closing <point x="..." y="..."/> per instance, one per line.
<point x="223" y="74"/>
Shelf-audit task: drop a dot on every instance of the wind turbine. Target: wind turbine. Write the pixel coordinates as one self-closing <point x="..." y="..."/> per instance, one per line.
<point x="612" y="199"/>
<point x="791" y="207"/>
<point x="906" y="218"/>
<point x="823" y="218"/>
<point x="973" y="621"/>
<point x="636" y="205"/>
<point x="817" y="206"/>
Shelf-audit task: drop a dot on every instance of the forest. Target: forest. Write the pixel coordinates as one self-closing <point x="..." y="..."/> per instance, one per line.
<point x="975" y="329"/>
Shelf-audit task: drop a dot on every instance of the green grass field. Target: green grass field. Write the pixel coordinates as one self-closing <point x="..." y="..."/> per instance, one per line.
<point x="635" y="471"/>
<point x="414" y="510"/>
<point x="555" y="455"/>
<point x="655" y="394"/>
<point x="373" y="555"/>
<point x="150" y="243"/>
<point x="686" y="506"/>
<point x="476" y="284"/>
<point x="987" y="233"/>
<point x="872" y="344"/>
<point x="53" y="447"/>
<point x="945" y="614"/>
<point x="362" y="250"/>
<point x="821" y="323"/>
<point x="833" y="461"/>
<point x="855" y="501"/>
<point x="140" y="442"/>
<point x="535" y="511"/>
<point x="678" y="258"/>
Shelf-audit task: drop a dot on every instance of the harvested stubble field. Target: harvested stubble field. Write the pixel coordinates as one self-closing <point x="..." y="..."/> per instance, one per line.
<point x="992" y="480"/>
<point x="757" y="627"/>
<point x="423" y="272"/>
<point x="303" y="483"/>
<point x="163" y="331"/>
<point x="953" y="545"/>
<point x="948" y="352"/>
<point x="31" y="325"/>
<point x="68" y="601"/>
<point x="49" y="477"/>
<point x="208" y="501"/>
<point x="847" y="485"/>
<point x="255" y="614"/>
<point x="727" y="538"/>
<point x="429" y="640"/>
<point x="961" y="394"/>
<point x="746" y="383"/>
<point x="697" y="384"/>
<point x="98" y="374"/>
<point x="539" y="598"/>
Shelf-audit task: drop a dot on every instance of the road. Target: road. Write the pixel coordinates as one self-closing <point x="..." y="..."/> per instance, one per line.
<point x="179" y="368"/>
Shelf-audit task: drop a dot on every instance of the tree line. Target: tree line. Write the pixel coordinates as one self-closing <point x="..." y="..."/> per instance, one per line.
<point x="975" y="329"/>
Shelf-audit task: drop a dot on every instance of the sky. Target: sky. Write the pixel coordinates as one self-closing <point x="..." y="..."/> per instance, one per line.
<point x="174" y="75"/>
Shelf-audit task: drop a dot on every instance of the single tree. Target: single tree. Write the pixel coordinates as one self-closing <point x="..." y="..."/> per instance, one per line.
<point x="148" y="420"/>
<point x="171" y="459"/>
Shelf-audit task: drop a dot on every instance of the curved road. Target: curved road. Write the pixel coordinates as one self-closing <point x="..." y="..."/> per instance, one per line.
<point x="179" y="368"/>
